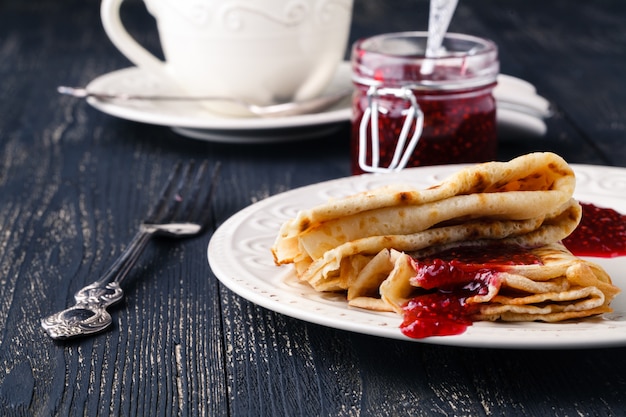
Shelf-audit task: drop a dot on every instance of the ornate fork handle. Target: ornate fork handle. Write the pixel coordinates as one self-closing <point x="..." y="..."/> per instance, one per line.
<point x="89" y="314"/>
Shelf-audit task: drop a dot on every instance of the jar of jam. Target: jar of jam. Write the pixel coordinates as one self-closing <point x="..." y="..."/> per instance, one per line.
<point x="410" y="110"/>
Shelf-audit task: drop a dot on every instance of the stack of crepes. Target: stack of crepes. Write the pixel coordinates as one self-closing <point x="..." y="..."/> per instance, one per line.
<point x="370" y="244"/>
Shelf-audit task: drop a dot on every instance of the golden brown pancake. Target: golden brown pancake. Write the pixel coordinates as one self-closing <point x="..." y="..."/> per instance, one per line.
<point x="528" y="198"/>
<point x="373" y="244"/>
<point x="558" y="286"/>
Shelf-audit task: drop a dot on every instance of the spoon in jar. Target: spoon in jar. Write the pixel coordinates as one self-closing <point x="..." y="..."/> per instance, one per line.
<point x="440" y="15"/>
<point x="273" y="110"/>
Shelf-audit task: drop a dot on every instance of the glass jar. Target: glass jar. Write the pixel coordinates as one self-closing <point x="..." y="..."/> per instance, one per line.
<point x="409" y="110"/>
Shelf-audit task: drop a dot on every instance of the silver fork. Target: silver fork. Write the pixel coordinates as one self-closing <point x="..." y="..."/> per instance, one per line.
<point x="183" y="210"/>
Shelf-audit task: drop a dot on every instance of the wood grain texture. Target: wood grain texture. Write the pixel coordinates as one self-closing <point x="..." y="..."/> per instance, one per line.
<point x="574" y="55"/>
<point x="74" y="183"/>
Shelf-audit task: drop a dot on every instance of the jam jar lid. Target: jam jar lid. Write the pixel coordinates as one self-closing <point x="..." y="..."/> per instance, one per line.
<point x="398" y="59"/>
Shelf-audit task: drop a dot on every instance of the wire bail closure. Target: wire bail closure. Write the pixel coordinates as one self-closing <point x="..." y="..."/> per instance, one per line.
<point x="403" y="151"/>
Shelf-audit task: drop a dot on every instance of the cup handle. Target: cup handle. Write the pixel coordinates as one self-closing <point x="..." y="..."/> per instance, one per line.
<point x="114" y="28"/>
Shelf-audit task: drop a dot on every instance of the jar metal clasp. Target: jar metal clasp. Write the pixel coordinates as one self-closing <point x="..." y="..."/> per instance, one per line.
<point x="413" y="117"/>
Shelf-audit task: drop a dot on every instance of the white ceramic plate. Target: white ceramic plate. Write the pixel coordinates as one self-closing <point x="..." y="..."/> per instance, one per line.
<point x="239" y="255"/>
<point x="522" y="110"/>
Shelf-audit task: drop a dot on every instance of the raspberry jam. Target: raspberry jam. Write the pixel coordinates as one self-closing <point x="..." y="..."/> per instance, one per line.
<point x="449" y="280"/>
<point x="451" y="97"/>
<point x="601" y="233"/>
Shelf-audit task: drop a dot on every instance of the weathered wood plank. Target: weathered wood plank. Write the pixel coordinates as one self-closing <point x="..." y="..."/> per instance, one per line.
<point x="75" y="182"/>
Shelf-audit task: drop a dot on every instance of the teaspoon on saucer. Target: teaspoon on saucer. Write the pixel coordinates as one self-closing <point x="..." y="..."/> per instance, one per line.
<point x="274" y="110"/>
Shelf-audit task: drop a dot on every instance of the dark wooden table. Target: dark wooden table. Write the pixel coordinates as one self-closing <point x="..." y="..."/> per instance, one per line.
<point x="74" y="182"/>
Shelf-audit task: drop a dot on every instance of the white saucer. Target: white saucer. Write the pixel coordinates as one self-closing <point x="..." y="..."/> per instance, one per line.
<point x="515" y="125"/>
<point x="520" y="110"/>
<point x="193" y="120"/>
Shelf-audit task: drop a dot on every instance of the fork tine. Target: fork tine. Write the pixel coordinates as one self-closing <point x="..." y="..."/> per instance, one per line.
<point x="168" y="193"/>
<point x="191" y="194"/>
<point x="179" y="199"/>
<point x="182" y="199"/>
<point x="201" y="209"/>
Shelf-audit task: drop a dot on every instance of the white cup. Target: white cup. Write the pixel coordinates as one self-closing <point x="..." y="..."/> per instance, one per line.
<point x="262" y="51"/>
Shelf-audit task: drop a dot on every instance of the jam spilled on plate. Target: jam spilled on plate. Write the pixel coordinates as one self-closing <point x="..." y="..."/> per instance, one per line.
<point x="601" y="233"/>
<point x="454" y="276"/>
<point x="449" y="282"/>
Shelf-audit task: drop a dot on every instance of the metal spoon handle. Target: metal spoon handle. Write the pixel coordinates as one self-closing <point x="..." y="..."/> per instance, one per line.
<point x="273" y="110"/>
<point x="441" y="12"/>
<point x="84" y="93"/>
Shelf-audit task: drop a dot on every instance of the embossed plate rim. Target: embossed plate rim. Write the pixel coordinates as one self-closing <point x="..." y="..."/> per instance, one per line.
<point x="239" y="255"/>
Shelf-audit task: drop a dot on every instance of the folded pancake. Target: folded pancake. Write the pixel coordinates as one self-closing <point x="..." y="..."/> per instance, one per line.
<point x="329" y="273"/>
<point x="503" y="282"/>
<point x="484" y="244"/>
<point x="528" y="199"/>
